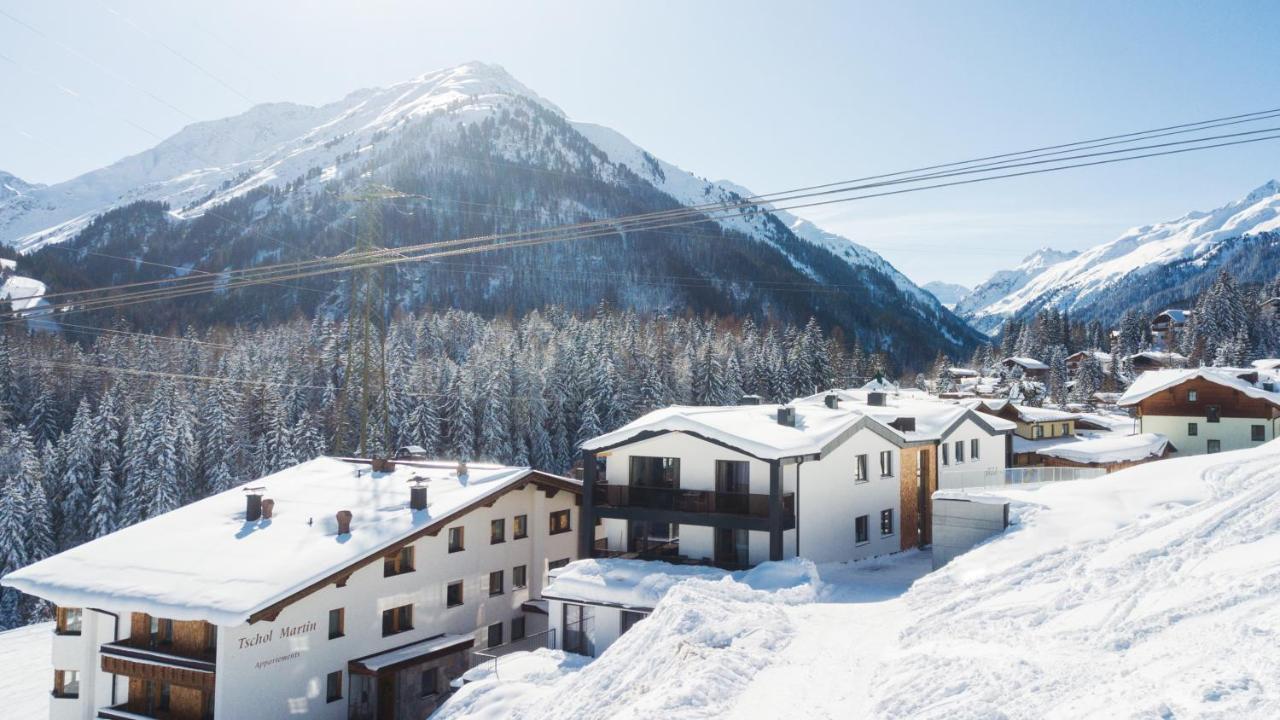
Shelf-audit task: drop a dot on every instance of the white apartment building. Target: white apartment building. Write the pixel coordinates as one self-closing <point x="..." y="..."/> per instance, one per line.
<point x="326" y="590"/>
<point x="842" y="475"/>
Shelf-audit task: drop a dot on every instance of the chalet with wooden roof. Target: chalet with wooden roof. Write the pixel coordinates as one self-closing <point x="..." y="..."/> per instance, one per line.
<point x="1207" y="410"/>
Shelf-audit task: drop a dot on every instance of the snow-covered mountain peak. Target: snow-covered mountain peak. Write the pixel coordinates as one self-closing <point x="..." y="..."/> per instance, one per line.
<point x="1046" y="256"/>
<point x="12" y="186"/>
<point x="1076" y="282"/>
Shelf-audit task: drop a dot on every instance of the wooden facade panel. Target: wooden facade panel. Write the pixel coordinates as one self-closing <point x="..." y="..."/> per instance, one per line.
<point x="142" y="671"/>
<point x="184" y="703"/>
<point x="1231" y="402"/>
<point x="918" y="481"/>
<point x="190" y="638"/>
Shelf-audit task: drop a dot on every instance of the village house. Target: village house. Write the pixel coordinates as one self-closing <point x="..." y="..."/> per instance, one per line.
<point x="1030" y="368"/>
<point x="1155" y="360"/>
<point x="1074" y="359"/>
<point x="1167" y="326"/>
<point x="326" y="590"/>
<point x="1035" y="427"/>
<point x="1206" y="410"/>
<point x="842" y="475"/>
<point x="1106" y="453"/>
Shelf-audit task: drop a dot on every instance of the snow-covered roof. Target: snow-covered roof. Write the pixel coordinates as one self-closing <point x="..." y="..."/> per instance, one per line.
<point x="933" y="416"/>
<point x="1026" y="362"/>
<point x="203" y="561"/>
<point x="629" y="583"/>
<point x="1157" y="356"/>
<point x="1124" y="448"/>
<point x="1174" y="314"/>
<point x="962" y="372"/>
<point x="1102" y="357"/>
<point x="405" y="653"/>
<point x="1153" y="381"/>
<point x="1024" y="413"/>
<point x="1267" y="364"/>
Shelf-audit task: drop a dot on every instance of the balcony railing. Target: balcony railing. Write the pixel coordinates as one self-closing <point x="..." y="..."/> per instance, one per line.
<point x="693" y="501"/>
<point x="668" y="552"/>
<point x="997" y="477"/>
<point x="160" y="655"/>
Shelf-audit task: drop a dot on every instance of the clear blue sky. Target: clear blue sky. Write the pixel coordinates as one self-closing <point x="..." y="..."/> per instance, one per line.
<point x="770" y="95"/>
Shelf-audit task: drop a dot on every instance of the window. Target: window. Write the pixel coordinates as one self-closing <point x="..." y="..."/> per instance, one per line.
<point x="659" y="472"/>
<point x="1212" y="413"/>
<point x="337" y="623"/>
<point x="733" y="476"/>
<point x="428" y="682"/>
<point x="70" y="620"/>
<point x="520" y="527"/>
<point x="1214" y="446"/>
<point x="946" y="454"/>
<point x="959" y="451"/>
<point x="973" y="449"/>
<point x="397" y="620"/>
<point x="1191" y="396"/>
<point x="630" y="618"/>
<point x="1193" y="429"/>
<point x="66" y="683"/>
<point x="1038" y="432"/>
<point x="557" y="564"/>
<point x="860" y="468"/>
<point x="333" y="686"/>
<point x="517" y="628"/>
<point x="1065" y="430"/>
<point x="453" y="594"/>
<point x="495" y="635"/>
<point x="886" y="463"/>
<point x="1258" y="433"/>
<point x="560" y="522"/>
<point x="161" y="631"/>
<point x="519" y="576"/>
<point x="886" y="522"/>
<point x="495" y="583"/>
<point x="497" y="531"/>
<point x="456" y="539"/>
<point x="860" y="529"/>
<point x="399" y="563"/>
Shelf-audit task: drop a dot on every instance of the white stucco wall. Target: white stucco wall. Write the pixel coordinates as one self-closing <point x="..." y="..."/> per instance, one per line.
<point x="991" y="449"/>
<point x="830" y="500"/>
<point x="1233" y="433"/>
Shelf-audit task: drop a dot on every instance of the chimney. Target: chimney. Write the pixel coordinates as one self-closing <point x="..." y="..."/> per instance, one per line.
<point x="268" y="505"/>
<point x="876" y="399"/>
<point x="252" y="504"/>
<point x="417" y="493"/>
<point x="832" y="400"/>
<point x="904" y="424"/>
<point x="749" y="400"/>
<point x="787" y="416"/>
<point x="382" y="465"/>
<point x="344" y="522"/>
<point x="462" y="469"/>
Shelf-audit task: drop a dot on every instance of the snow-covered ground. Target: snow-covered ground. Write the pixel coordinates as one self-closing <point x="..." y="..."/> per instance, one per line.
<point x="1148" y="593"/>
<point x="26" y="671"/>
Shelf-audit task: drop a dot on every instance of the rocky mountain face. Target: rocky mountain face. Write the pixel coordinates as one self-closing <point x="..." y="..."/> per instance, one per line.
<point x="479" y="153"/>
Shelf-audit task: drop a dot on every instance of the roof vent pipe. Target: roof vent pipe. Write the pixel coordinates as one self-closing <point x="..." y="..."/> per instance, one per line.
<point x="832" y="400"/>
<point x="876" y="399"/>
<point x="252" y="504"/>
<point x="344" y="522"/>
<point x="268" y="505"/>
<point x="787" y="416"/>
<point x="417" y="493"/>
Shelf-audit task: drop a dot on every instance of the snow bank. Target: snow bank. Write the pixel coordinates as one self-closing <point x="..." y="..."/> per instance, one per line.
<point x="1147" y="593"/>
<point x="521" y="679"/>
<point x="28" y="670"/>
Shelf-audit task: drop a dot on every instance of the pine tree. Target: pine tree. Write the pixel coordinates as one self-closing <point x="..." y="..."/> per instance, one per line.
<point x="76" y="448"/>
<point x="105" y="508"/>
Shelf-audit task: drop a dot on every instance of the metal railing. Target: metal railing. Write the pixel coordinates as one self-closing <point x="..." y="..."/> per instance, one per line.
<point x="544" y="639"/>
<point x="680" y="499"/>
<point x="993" y="477"/>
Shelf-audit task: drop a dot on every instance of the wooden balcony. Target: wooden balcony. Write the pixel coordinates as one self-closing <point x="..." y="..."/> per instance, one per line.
<point x="753" y="505"/>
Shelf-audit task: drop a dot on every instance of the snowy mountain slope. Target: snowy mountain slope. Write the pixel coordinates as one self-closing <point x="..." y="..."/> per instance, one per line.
<point x="481" y="152"/>
<point x="210" y="162"/>
<point x="1079" y="282"/>
<point x="949" y="294"/>
<point x="1007" y="282"/>
<point x="12" y="186"/>
<point x="689" y="189"/>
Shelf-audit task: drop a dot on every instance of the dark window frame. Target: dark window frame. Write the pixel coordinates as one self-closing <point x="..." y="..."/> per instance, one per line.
<point x="975" y="448"/>
<point x="520" y="527"/>
<point x="333" y="690"/>
<point x="1257" y="433"/>
<point x="519" y="577"/>
<point x="342" y="623"/>
<point x="501" y="584"/>
<point x="862" y="530"/>
<point x="519" y="631"/>
<point x="886" y="522"/>
<point x="400" y="620"/>
<point x="1193" y="429"/>
<point x="457" y="538"/>
<point x="462" y="596"/>
<point x="497" y="531"/>
<point x="886" y="463"/>
<point x="399" y="563"/>
<point x="1213" y="413"/>
<point x="860" y="468"/>
<point x="498" y="629"/>
<point x="554" y="524"/>
<point x="1213" y="445"/>
<point x="429" y="678"/>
